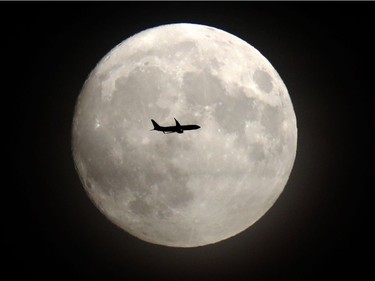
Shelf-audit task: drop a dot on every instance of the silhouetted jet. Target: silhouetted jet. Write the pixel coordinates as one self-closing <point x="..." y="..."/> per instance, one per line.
<point x="173" y="129"/>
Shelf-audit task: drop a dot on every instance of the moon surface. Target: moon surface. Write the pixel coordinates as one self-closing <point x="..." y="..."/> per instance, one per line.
<point x="202" y="186"/>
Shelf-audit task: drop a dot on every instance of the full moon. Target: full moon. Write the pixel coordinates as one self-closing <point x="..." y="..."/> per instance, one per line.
<point x="195" y="188"/>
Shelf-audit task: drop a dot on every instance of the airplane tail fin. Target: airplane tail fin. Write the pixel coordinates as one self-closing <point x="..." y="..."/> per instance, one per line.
<point x="156" y="125"/>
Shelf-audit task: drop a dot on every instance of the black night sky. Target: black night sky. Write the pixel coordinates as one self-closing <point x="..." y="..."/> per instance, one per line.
<point x="319" y="227"/>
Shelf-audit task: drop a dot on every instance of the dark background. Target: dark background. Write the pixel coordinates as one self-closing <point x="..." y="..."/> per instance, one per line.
<point x="318" y="228"/>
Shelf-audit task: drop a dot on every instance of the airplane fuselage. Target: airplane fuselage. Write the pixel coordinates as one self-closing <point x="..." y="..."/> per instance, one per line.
<point x="175" y="129"/>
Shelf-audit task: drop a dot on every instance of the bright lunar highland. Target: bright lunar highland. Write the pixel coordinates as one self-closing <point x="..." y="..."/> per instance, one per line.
<point x="202" y="186"/>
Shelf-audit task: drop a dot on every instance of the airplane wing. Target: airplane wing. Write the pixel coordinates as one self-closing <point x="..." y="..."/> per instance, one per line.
<point x="177" y="123"/>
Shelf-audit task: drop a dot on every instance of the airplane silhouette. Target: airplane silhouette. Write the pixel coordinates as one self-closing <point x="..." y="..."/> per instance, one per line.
<point x="173" y="129"/>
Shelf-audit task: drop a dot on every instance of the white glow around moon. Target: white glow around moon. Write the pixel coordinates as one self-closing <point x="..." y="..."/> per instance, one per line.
<point x="195" y="188"/>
